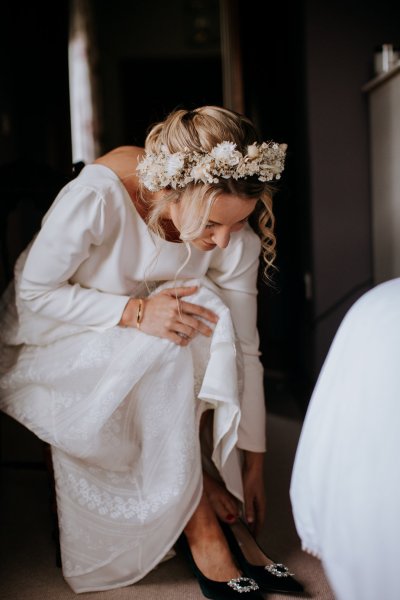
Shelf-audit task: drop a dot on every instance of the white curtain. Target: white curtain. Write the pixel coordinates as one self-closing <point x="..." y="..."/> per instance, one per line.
<point x="82" y="84"/>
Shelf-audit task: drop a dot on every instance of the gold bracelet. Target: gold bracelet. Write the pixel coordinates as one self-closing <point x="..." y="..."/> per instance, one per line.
<point x="139" y="314"/>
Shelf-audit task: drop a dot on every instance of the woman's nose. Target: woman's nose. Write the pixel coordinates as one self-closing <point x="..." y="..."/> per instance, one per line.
<point x="222" y="238"/>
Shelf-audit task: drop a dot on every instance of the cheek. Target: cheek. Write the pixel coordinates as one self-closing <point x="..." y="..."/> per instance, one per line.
<point x="205" y="234"/>
<point x="237" y="227"/>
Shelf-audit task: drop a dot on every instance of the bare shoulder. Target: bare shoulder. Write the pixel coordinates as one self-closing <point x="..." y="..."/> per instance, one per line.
<point x="122" y="160"/>
<point x="121" y="153"/>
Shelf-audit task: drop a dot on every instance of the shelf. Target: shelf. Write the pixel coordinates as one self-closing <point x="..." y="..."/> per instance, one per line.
<point x="382" y="78"/>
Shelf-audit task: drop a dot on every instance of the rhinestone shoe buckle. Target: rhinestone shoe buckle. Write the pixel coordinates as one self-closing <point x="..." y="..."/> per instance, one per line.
<point x="243" y="584"/>
<point x="279" y="570"/>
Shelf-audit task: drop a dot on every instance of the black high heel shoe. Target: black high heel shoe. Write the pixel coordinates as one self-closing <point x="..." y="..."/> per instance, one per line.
<point x="243" y="588"/>
<point x="271" y="577"/>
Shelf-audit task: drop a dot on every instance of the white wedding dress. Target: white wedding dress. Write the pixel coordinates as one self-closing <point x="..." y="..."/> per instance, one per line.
<point x="120" y="408"/>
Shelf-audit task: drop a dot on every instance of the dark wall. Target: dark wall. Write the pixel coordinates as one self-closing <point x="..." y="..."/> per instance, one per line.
<point x="154" y="57"/>
<point x="34" y="97"/>
<point x="35" y="138"/>
<point x="35" y="149"/>
<point x="275" y="97"/>
<point x="340" y="40"/>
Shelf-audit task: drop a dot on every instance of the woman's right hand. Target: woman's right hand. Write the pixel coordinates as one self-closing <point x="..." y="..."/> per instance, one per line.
<point x="165" y="315"/>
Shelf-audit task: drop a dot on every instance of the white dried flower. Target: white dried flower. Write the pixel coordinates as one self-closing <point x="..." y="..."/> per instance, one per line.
<point x="253" y="151"/>
<point x="174" y="163"/>
<point x="199" y="173"/>
<point x="226" y="152"/>
<point x="158" y="171"/>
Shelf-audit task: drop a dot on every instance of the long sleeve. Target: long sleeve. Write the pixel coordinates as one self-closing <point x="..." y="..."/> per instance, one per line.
<point x="77" y="221"/>
<point x="235" y="272"/>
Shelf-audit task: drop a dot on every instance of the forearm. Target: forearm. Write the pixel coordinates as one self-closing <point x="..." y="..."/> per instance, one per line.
<point x="71" y="303"/>
<point x="253" y="461"/>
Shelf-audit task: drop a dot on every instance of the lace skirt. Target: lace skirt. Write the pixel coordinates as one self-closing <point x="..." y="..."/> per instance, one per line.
<point x="121" y="410"/>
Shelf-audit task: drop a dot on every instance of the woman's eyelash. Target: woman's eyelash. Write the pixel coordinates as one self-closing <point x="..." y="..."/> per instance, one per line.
<point x="211" y="225"/>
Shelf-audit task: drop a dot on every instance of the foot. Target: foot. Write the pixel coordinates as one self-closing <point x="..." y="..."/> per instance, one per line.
<point x="251" y="550"/>
<point x="270" y="576"/>
<point x="225" y="506"/>
<point x="208" y="545"/>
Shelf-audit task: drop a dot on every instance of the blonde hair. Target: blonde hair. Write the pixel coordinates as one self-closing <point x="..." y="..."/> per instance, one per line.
<point x="200" y="130"/>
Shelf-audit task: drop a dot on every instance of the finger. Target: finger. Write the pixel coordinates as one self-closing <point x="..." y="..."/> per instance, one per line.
<point x="183" y="329"/>
<point x="228" y="504"/>
<point x="199" y="311"/>
<point x="232" y="511"/>
<point x="195" y="325"/>
<point x="260" y="515"/>
<point x="226" y="507"/>
<point x="258" y="508"/>
<point x="224" y="511"/>
<point x="250" y="513"/>
<point x="177" y="339"/>
<point x="250" y="519"/>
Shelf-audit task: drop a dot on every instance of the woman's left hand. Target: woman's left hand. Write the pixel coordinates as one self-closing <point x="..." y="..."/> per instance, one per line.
<point x="254" y="491"/>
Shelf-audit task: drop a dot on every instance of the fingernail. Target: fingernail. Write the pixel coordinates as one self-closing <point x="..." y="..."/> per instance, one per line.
<point x="230" y="517"/>
<point x="250" y="519"/>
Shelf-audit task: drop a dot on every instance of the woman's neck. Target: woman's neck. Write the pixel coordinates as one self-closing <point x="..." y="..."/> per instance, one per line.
<point x="123" y="162"/>
<point x="144" y="204"/>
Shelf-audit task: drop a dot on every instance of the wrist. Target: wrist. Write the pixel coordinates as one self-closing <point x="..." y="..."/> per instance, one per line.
<point x="129" y="316"/>
<point x="139" y="313"/>
<point x="253" y="461"/>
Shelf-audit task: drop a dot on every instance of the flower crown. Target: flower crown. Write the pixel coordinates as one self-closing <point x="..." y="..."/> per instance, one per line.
<point x="158" y="171"/>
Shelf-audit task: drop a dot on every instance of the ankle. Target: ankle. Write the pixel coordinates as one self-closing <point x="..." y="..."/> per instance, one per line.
<point x="203" y="531"/>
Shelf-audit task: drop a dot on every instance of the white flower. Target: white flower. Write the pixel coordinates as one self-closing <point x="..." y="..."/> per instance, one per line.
<point x="200" y="173"/>
<point x="149" y="183"/>
<point x="174" y="164"/>
<point x="253" y="151"/>
<point x="226" y="152"/>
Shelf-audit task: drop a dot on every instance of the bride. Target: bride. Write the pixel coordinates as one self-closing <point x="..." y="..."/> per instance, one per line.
<point x="130" y="346"/>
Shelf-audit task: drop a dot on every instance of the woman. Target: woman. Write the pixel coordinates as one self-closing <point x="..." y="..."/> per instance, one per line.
<point x="118" y="365"/>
